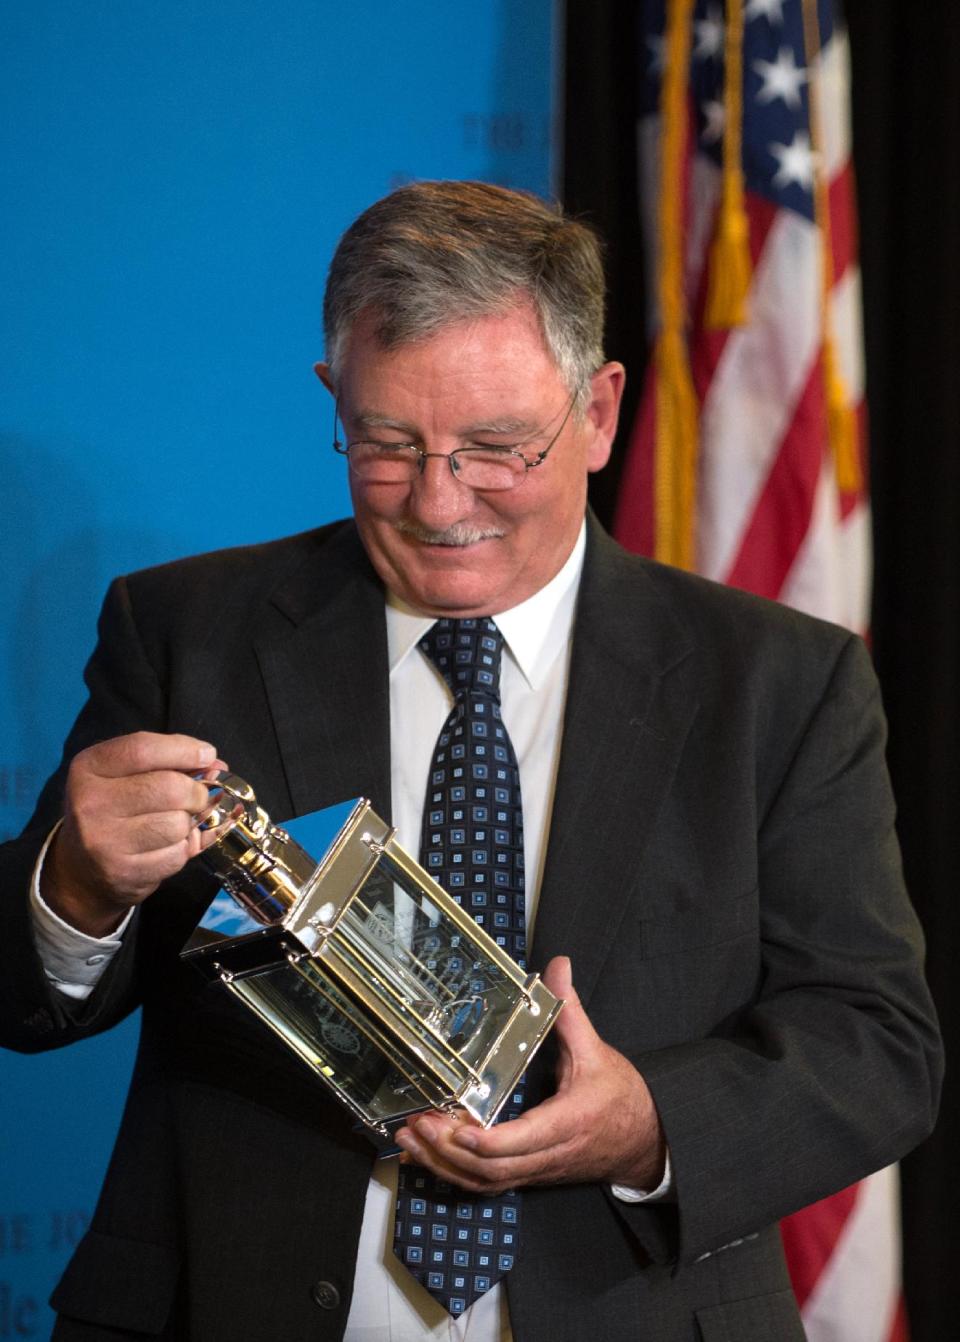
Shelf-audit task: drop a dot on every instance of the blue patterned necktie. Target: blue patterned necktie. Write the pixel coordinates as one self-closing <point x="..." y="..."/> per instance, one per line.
<point x="459" y="1244"/>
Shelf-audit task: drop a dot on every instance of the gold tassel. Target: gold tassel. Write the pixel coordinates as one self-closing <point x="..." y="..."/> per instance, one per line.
<point x="841" y="418"/>
<point x="841" y="423"/>
<point x="731" y="267"/>
<point x="677" y="407"/>
<point x="730" y="264"/>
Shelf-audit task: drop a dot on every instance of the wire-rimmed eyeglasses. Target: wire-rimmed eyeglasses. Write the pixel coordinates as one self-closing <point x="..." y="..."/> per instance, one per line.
<point x="478" y="467"/>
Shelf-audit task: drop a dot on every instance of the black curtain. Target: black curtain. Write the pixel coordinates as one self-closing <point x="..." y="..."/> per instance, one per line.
<point x="906" y="118"/>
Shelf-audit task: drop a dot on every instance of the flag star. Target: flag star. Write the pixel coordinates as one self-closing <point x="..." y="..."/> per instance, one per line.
<point x="709" y="35"/>
<point x="782" y="78"/>
<point x="771" y="9"/>
<point x="713" y="113"/>
<point x="797" y="161"/>
<point x="657" y="42"/>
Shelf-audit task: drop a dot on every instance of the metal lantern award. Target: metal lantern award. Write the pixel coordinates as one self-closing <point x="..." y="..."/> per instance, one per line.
<point x="362" y="964"/>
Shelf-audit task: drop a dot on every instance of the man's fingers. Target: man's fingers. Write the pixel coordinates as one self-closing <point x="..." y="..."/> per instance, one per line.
<point x="430" y="1143"/>
<point x="202" y="839"/>
<point x="162" y="829"/>
<point x="147" y="752"/>
<point x="146" y="794"/>
<point x="538" y="1129"/>
<point x="218" y="766"/>
<point x="522" y="1146"/>
<point x="428" y="1160"/>
<point x="140" y="873"/>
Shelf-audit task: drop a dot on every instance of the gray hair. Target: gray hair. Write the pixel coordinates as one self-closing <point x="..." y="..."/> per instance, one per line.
<point x="432" y="253"/>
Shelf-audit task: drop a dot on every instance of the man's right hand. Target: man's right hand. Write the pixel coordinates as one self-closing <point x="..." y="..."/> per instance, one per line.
<point x="128" y="824"/>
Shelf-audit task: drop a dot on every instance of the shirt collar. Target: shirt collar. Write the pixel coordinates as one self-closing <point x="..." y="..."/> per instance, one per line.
<point x="535" y="632"/>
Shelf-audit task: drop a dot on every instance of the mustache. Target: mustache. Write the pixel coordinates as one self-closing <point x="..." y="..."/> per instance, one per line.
<point x="455" y="536"/>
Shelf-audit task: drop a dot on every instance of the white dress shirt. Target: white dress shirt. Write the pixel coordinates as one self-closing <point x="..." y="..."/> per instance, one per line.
<point x="388" y="1304"/>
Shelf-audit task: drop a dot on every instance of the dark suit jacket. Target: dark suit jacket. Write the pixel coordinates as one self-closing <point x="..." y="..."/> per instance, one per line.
<point x="722" y="870"/>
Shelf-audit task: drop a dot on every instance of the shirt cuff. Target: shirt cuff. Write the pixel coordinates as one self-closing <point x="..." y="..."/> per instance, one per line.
<point x="73" y="961"/>
<point x="639" y="1195"/>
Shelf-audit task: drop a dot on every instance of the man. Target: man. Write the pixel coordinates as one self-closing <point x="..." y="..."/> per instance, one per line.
<point x="707" y="836"/>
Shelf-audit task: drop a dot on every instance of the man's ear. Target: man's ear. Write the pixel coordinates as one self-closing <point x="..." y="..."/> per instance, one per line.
<point x="603" y="412"/>
<point x="322" y="371"/>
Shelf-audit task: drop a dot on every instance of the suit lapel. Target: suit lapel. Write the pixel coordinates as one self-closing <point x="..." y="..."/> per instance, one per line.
<point x="326" y="679"/>
<point x="630" y="704"/>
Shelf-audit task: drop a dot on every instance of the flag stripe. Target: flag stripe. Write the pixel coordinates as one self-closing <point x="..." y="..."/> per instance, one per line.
<point x="843" y="232"/>
<point x="781" y="519"/>
<point x="830" y="576"/>
<point x="833" y="81"/>
<point x="808" y="1254"/>
<point x="845" y="307"/>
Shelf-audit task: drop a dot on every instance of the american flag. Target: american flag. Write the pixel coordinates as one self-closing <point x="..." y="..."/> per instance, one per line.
<point x="747" y="458"/>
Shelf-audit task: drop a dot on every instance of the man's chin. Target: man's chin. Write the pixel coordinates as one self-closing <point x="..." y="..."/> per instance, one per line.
<point x="456" y="580"/>
<point x="468" y="563"/>
<point x="456" y="591"/>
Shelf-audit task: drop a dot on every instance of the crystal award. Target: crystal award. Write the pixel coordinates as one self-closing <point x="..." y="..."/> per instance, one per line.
<point x="358" y="960"/>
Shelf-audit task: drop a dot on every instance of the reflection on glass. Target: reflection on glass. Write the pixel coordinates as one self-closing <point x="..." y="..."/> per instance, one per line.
<point x="340" y="1042"/>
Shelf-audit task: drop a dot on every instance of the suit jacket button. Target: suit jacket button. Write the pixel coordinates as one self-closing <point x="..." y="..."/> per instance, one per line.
<point x="325" y="1294"/>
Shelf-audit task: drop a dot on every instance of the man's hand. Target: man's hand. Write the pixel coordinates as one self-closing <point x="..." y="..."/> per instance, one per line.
<point x="128" y="825"/>
<point x="600" y="1126"/>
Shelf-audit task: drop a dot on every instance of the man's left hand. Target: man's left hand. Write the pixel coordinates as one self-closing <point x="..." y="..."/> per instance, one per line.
<point x="601" y="1125"/>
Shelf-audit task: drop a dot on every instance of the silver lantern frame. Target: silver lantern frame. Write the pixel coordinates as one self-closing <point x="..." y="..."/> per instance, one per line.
<point x="389" y="1031"/>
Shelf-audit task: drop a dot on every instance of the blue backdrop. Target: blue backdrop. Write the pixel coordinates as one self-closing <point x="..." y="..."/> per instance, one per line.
<point x="177" y="175"/>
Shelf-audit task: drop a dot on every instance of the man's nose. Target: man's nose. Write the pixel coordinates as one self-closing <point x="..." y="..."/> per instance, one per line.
<point x="437" y="496"/>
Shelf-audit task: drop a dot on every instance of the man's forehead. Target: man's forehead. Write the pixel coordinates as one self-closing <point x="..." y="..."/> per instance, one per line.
<point x="491" y="374"/>
<point x="372" y="329"/>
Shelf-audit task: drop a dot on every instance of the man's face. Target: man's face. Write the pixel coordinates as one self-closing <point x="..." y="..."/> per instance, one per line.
<point x="442" y="547"/>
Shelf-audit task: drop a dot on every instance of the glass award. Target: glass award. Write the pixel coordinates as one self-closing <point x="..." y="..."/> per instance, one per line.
<point x="363" y="965"/>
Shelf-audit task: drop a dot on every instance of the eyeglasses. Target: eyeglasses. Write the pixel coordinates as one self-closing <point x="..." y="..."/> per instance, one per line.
<point x="484" y="468"/>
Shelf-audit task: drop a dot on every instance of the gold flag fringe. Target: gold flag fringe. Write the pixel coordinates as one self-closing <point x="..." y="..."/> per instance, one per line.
<point x="730" y="266"/>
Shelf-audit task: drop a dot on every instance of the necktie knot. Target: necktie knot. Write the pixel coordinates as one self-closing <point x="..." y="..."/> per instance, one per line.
<point x="467" y="653"/>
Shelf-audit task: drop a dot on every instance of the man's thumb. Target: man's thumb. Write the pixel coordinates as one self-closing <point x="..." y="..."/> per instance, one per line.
<point x="558" y="976"/>
<point x="573" y="1027"/>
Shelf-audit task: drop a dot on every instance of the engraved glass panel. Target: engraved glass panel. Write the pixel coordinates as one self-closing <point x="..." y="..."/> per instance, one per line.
<point x="340" y="1041"/>
<point x="436" y="972"/>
